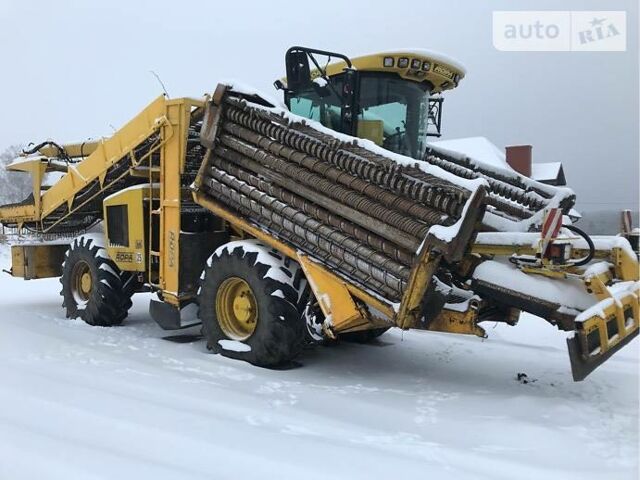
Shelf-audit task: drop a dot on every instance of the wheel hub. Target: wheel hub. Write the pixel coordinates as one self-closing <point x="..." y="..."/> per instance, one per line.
<point x="85" y="283"/>
<point x="236" y="308"/>
<point x="82" y="282"/>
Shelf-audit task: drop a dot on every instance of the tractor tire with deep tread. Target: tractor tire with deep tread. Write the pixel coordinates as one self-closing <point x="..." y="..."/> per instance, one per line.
<point x="275" y="284"/>
<point x="92" y="286"/>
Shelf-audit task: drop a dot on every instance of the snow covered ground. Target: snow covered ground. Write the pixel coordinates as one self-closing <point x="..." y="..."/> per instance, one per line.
<point x="86" y="402"/>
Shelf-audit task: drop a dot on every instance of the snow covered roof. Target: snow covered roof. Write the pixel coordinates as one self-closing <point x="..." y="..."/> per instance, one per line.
<point x="546" y="171"/>
<point x="478" y="148"/>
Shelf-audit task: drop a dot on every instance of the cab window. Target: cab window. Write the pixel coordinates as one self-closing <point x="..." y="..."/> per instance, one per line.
<point x="319" y="102"/>
<point x="394" y="113"/>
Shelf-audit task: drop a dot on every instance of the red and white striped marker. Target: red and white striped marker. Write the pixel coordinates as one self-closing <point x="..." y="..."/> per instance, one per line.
<point x="626" y="223"/>
<point x="550" y="228"/>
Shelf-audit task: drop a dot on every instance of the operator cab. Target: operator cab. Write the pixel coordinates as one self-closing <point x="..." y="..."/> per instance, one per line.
<point x="392" y="99"/>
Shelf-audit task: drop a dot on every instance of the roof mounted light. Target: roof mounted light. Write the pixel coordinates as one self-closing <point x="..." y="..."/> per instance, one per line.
<point x="403" y="62"/>
<point x="388" y="61"/>
<point x="415" y="64"/>
<point x="426" y="66"/>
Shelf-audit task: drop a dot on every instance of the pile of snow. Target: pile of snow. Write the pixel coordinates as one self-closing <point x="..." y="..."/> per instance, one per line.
<point x="478" y="148"/>
<point x="569" y="292"/>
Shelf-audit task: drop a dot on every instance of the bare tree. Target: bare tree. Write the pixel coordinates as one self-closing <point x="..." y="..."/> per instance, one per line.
<point x="14" y="186"/>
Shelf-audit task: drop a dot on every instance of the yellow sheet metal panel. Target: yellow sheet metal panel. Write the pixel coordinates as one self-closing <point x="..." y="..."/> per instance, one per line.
<point x="340" y="311"/>
<point x="424" y="268"/>
<point x="502" y="250"/>
<point x="27" y="211"/>
<point x="174" y="132"/>
<point x="30" y="164"/>
<point x="24" y="212"/>
<point x="450" y="321"/>
<point x="626" y="264"/>
<point x="17" y="261"/>
<point x="371" y="130"/>
<point x="171" y="165"/>
<point x="37" y="261"/>
<point x="410" y="65"/>
<point x="128" y="206"/>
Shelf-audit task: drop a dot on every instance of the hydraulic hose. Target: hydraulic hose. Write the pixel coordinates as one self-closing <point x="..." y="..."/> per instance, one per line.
<point x="61" y="151"/>
<point x="592" y="248"/>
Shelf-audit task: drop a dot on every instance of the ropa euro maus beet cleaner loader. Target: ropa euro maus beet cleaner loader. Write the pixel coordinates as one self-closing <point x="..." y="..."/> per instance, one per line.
<point x="327" y="216"/>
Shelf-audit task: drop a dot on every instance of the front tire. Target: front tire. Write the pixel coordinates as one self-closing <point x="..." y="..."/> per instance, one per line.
<point x="248" y="304"/>
<point x="92" y="286"/>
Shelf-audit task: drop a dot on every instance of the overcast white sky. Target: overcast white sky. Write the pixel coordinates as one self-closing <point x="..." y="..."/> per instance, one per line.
<point x="72" y="69"/>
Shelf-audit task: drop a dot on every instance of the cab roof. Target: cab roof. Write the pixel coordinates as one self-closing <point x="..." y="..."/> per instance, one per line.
<point x="443" y="72"/>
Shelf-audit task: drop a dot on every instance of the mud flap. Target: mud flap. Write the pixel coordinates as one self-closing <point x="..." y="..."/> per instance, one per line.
<point x="170" y="317"/>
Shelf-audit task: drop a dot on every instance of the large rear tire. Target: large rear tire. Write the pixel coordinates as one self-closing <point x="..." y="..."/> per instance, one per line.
<point x="248" y="304"/>
<point x="92" y="286"/>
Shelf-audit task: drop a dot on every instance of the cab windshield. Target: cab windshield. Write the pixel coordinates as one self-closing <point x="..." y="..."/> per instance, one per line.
<point x="392" y="112"/>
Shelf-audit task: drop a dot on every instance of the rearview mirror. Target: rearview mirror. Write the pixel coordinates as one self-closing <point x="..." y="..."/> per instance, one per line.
<point x="298" y="71"/>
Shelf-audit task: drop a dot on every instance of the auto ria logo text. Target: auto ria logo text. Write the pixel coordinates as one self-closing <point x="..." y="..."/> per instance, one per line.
<point x="543" y="31"/>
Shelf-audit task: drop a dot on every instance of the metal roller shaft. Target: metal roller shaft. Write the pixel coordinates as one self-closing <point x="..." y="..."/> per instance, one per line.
<point x="410" y="230"/>
<point x="348" y="249"/>
<point x="511" y="180"/>
<point x="224" y="197"/>
<point x="304" y="183"/>
<point x="449" y="202"/>
<point x="339" y="255"/>
<point x="231" y="161"/>
<point x="389" y="199"/>
<point x="351" y="251"/>
<point x="413" y="210"/>
<point x="498" y="187"/>
<point x="351" y="150"/>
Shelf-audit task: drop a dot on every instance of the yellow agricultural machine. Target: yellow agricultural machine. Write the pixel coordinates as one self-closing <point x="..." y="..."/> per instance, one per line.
<point x="327" y="216"/>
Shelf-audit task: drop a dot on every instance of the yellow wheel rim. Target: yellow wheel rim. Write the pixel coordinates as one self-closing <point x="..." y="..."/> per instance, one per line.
<point x="236" y="309"/>
<point x="81" y="282"/>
